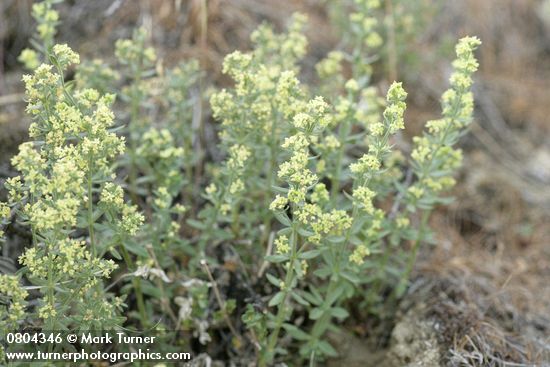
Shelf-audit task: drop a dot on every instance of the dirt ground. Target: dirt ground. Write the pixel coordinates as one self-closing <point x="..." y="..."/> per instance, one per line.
<point x="481" y="296"/>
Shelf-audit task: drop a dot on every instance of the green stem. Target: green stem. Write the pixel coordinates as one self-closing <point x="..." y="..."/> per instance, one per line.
<point x="412" y="259"/>
<point x="335" y="182"/>
<point x="270" y="178"/>
<point x="134" y="116"/>
<point x="267" y="356"/>
<point x="136" y="282"/>
<point x="91" y="209"/>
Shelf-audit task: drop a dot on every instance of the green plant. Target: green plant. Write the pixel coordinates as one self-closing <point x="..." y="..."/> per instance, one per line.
<point x="311" y="199"/>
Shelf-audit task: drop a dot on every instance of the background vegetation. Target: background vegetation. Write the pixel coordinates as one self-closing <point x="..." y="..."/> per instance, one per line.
<point x="478" y="295"/>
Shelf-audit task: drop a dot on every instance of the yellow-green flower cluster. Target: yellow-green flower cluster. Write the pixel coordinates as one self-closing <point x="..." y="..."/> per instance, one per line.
<point x="95" y="74"/>
<point x="13" y="296"/>
<point x="334" y="222"/>
<point x="134" y="51"/>
<point x="434" y="158"/>
<point x="320" y="194"/>
<point x="359" y="253"/>
<point x="282" y="49"/>
<point x="47" y="19"/>
<point x="369" y="166"/>
<point x="364" y="24"/>
<point x="68" y="257"/>
<point x="5" y="213"/>
<point x="370" y="163"/>
<point x="131" y="219"/>
<point x="59" y="175"/>
<point x="65" y="56"/>
<point x="331" y="66"/>
<point x="29" y="59"/>
<point x="158" y="154"/>
<point x="282" y="245"/>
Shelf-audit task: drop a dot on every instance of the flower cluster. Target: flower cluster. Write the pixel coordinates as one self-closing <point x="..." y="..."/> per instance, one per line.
<point x="97" y="75"/>
<point x="369" y="165"/>
<point x="159" y="156"/>
<point x="134" y="51"/>
<point x="14" y="312"/>
<point x="59" y="173"/>
<point x="433" y="157"/>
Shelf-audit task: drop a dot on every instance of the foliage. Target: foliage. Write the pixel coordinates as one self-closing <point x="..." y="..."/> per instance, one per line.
<point x="311" y="200"/>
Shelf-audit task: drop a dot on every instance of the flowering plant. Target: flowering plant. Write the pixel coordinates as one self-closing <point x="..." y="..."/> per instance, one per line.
<point x="311" y="198"/>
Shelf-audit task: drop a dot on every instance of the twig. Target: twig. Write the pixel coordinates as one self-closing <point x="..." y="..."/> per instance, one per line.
<point x="221" y="303"/>
<point x="395" y="207"/>
<point x="265" y="264"/>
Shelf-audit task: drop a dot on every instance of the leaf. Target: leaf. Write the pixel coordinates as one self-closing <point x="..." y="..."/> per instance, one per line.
<point x="196" y="224"/>
<point x="350" y="276"/>
<point x="273" y="280"/>
<point x="277" y="299"/>
<point x="279" y="189"/>
<point x="339" y="312"/>
<point x="282" y="217"/>
<point x="336" y="239"/>
<point x="296" y="333"/>
<point x="323" y="272"/>
<point x="304" y="232"/>
<point x="299" y="299"/>
<point x="276" y="258"/>
<point x="312" y="299"/>
<point x="115" y="253"/>
<point x="315" y="313"/>
<point x="332" y="297"/>
<point x="308" y="255"/>
<point x="135" y="248"/>
<point x="327" y="349"/>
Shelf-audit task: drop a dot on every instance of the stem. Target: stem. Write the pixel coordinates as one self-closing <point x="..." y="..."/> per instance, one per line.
<point x="392" y="48"/>
<point x="412" y="258"/>
<point x="221" y="303"/>
<point x="335" y="182"/>
<point x="134" y="114"/>
<point x="267" y="356"/>
<point x="137" y="286"/>
<point x="91" y="209"/>
<point x="270" y="177"/>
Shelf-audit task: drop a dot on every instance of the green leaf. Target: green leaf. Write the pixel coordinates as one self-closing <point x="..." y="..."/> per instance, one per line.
<point x="312" y="299"/>
<point x="350" y="276"/>
<point x="299" y="299"/>
<point x="339" y="312"/>
<point x="326" y="349"/>
<point x="273" y="280"/>
<point x="309" y="254"/>
<point x="277" y="299"/>
<point x="283" y="218"/>
<point x="115" y="253"/>
<point x="323" y="272"/>
<point x="304" y="232"/>
<point x="332" y="297"/>
<point x="196" y="224"/>
<point x="336" y="239"/>
<point x="315" y="313"/>
<point x="135" y="248"/>
<point x="276" y="258"/>
<point x="296" y="333"/>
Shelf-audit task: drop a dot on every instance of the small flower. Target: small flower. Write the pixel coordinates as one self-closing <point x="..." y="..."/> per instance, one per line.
<point x="279" y="203"/>
<point x="282" y="245"/>
<point x="359" y="254"/>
